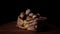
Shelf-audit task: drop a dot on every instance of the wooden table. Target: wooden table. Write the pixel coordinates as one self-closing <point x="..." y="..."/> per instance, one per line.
<point x="10" y="28"/>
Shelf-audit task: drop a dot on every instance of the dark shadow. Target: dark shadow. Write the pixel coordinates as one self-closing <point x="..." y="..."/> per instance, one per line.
<point x="44" y="28"/>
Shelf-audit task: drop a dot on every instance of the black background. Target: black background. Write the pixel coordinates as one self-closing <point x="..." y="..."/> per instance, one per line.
<point x="11" y="9"/>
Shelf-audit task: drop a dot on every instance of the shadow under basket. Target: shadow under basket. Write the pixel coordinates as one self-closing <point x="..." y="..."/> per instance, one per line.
<point x="42" y="26"/>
